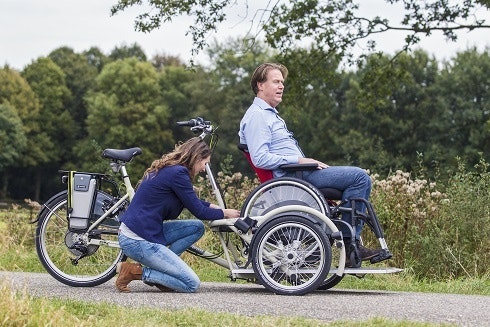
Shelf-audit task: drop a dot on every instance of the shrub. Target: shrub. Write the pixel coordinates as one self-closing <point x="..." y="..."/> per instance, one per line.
<point x="437" y="235"/>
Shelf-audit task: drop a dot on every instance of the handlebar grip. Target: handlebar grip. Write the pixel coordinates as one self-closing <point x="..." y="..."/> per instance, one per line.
<point x="186" y="123"/>
<point x="194" y="122"/>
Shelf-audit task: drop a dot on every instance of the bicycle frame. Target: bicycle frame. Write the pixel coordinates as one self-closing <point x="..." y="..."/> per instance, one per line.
<point x="117" y="168"/>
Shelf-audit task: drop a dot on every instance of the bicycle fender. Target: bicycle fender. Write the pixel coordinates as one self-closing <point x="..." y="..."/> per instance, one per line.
<point x="46" y="205"/>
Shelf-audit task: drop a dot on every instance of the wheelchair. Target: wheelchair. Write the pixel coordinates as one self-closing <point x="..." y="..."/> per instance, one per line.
<point x="273" y="193"/>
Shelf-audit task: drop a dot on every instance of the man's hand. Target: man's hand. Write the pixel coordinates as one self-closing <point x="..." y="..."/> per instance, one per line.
<point x="320" y="164"/>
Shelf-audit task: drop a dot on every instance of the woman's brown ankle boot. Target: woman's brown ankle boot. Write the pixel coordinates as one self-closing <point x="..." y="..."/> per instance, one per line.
<point x="127" y="273"/>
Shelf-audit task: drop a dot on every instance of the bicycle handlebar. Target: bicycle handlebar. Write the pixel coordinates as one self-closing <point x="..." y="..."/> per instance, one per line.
<point x="199" y="121"/>
<point x="199" y="125"/>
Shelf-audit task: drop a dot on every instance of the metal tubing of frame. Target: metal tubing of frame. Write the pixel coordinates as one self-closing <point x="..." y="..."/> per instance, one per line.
<point x="214" y="186"/>
<point x="225" y="250"/>
<point x="127" y="183"/>
<point x="108" y="212"/>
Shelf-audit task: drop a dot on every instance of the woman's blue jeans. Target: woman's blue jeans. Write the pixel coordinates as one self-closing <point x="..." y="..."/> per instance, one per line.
<point x="162" y="263"/>
<point x="354" y="182"/>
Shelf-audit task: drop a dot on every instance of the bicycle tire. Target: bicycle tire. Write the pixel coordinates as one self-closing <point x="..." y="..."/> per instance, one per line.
<point x="291" y="255"/>
<point x="53" y="239"/>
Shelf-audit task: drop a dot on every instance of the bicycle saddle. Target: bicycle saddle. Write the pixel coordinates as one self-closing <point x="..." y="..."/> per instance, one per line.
<point x="125" y="155"/>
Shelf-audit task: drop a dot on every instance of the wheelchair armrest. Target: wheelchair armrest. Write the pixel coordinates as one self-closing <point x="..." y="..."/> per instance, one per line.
<point x="297" y="167"/>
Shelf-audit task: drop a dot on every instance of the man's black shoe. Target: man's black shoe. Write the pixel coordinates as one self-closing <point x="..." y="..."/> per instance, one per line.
<point x="367" y="254"/>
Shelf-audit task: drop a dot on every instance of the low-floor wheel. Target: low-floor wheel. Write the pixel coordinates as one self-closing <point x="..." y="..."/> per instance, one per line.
<point x="58" y="248"/>
<point x="291" y="254"/>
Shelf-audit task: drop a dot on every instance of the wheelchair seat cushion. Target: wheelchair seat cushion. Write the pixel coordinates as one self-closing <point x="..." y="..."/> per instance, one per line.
<point x="331" y="193"/>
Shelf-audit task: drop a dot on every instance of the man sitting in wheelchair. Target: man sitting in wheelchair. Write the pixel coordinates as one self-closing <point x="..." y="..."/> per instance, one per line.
<point x="271" y="145"/>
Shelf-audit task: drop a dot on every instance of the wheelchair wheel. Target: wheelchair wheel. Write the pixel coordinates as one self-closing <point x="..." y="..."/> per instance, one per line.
<point x="291" y="254"/>
<point x="280" y="192"/>
<point x="57" y="246"/>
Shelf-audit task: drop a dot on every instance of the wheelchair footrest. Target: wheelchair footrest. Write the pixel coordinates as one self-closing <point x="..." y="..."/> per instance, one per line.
<point x="369" y="270"/>
<point x="383" y="255"/>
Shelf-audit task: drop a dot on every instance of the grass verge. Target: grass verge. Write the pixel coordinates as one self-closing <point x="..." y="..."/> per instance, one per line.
<point x="20" y="309"/>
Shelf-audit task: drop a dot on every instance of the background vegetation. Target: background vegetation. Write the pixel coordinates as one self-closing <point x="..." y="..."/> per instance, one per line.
<point x="387" y="114"/>
<point x="422" y="128"/>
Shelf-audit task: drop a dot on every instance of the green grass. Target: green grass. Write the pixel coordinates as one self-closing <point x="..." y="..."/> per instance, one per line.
<point x="20" y="309"/>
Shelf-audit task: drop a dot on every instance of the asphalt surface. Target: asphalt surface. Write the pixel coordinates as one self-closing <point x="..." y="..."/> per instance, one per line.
<point x="253" y="300"/>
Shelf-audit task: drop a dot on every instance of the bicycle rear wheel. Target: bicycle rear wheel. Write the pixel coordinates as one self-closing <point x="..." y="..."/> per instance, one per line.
<point x="58" y="248"/>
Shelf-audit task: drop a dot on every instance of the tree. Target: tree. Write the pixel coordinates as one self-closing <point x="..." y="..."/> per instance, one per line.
<point x="96" y="58"/>
<point x="160" y="61"/>
<point x="12" y="142"/>
<point x="124" y="51"/>
<point x="47" y="80"/>
<point x="310" y="102"/>
<point x="391" y="115"/>
<point x="466" y="81"/>
<point x="335" y="26"/>
<point x="126" y="110"/>
<point x="80" y="72"/>
<point x="224" y="94"/>
<point x="16" y="93"/>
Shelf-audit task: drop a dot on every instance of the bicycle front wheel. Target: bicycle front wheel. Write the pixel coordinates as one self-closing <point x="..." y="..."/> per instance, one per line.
<point x="67" y="255"/>
<point x="291" y="255"/>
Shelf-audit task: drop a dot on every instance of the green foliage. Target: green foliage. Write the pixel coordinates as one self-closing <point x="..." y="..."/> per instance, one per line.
<point x="310" y="105"/>
<point x="55" y="139"/>
<point x="17" y="239"/>
<point x="12" y="137"/>
<point x="437" y="235"/>
<point x="80" y="72"/>
<point x="15" y="91"/>
<point x="207" y="15"/>
<point x="124" y="52"/>
<point x="463" y="226"/>
<point x="465" y="81"/>
<point x="125" y="111"/>
<point x="380" y="116"/>
<point x="392" y="109"/>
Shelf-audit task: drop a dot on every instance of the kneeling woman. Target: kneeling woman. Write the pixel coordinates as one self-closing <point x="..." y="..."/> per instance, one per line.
<point x="150" y="233"/>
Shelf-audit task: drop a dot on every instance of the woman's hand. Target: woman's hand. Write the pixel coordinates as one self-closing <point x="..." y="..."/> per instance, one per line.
<point x="231" y="213"/>
<point x="228" y="213"/>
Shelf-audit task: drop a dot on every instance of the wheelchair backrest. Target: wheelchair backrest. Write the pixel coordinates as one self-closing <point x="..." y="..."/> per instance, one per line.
<point x="263" y="174"/>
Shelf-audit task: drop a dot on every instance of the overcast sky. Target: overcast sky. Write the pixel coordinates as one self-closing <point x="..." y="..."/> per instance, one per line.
<point x="30" y="29"/>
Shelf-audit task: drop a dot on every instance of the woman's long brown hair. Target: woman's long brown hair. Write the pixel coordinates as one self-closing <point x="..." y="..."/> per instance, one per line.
<point x="185" y="154"/>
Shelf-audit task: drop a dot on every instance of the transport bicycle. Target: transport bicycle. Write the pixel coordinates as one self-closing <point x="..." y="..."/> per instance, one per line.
<point x="291" y="248"/>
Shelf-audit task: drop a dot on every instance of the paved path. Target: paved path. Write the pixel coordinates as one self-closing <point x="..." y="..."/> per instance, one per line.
<point x="252" y="300"/>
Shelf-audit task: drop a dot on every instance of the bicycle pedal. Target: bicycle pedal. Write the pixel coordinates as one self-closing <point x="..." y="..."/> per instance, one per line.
<point x="384" y="255"/>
